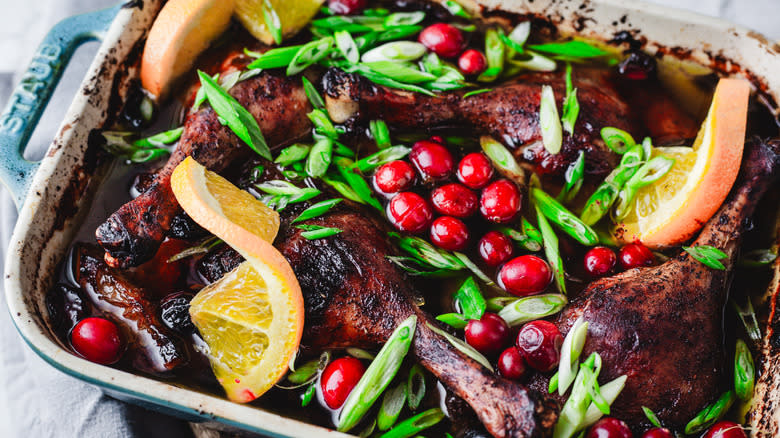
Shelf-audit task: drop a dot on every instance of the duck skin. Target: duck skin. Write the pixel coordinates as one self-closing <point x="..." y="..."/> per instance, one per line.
<point x="133" y="233"/>
<point x="662" y="326"/>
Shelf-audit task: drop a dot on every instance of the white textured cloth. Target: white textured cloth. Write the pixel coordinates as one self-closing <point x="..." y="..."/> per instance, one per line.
<point x="35" y="399"/>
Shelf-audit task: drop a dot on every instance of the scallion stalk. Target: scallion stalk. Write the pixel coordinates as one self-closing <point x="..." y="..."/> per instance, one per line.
<point x="610" y="391"/>
<point x="308" y="54"/>
<point x="415" y="386"/>
<point x="520" y="33"/>
<point x="570" y="354"/>
<point x="647" y="173"/>
<point x="464" y="259"/>
<point x="710" y="414"/>
<point x="398" y="71"/>
<point x="319" y="158"/>
<point x="518" y="311"/>
<point x="317" y="209"/>
<point x="371" y="162"/>
<point x="551" y="251"/>
<point x="748" y="317"/>
<point x="427" y="253"/>
<point x="413" y="426"/>
<point x="744" y="371"/>
<point x="272" y="21"/>
<point x="566" y="220"/>
<point x="549" y="121"/>
<point x="291" y="154"/>
<point x="494" y="52"/>
<point x="605" y="195"/>
<point x="536" y="63"/>
<point x="404" y="18"/>
<point x="315" y="98"/>
<point x="461" y="346"/>
<point x="522" y="239"/>
<point x="319" y="118"/>
<point x="347" y="46"/>
<point x="616" y="139"/>
<point x="392" y="404"/>
<point x="574" y="176"/>
<point x="381" y="134"/>
<point x="314" y="232"/>
<point x="469" y="300"/>
<point x="571" y="107"/>
<point x="503" y="160"/>
<point x="396" y="51"/>
<point x="455" y="320"/>
<point x="275" y="58"/>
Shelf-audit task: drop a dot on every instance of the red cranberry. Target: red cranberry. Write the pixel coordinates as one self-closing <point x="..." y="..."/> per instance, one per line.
<point x="432" y="160"/>
<point x="500" y="201"/>
<point x="635" y="255"/>
<point x="449" y="233"/>
<point x="511" y="364"/>
<point x="540" y="344"/>
<point x="339" y="378"/>
<point x="443" y="39"/>
<point x="475" y="170"/>
<point x="600" y="261"/>
<point x="609" y="427"/>
<point x="495" y="248"/>
<point x="409" y="212"/>
<point x="489" y="334"/>
<point x="658" y="432"/>
<point x="97" y="339"/>
<point x="472" y="62"/>
<point x="725" y="429"/>
<point x="394" y="177"/>
<point x="524" y="275"/>
<point x="454" y="200"/>
<point x="437" y="139"/>
<point x="347" y="7"/>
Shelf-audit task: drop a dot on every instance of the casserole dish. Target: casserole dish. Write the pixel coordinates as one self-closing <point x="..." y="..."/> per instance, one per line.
<point x="55" y="199"/>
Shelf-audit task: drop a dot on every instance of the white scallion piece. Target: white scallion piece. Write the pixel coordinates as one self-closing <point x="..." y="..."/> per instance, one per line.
<point x="395" y="51"/>
<point x="521" y="32"/>
<point x="570" y="354"/>
<point x="610" y="391"/>
<point x="550" y="121"/>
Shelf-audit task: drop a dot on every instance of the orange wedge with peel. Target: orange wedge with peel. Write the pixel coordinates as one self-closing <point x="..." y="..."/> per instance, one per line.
<point x="182" y="30"/>
<point x="293" y="15"/>
<point x="672" y="209"/>
<point x="252" y="318"/>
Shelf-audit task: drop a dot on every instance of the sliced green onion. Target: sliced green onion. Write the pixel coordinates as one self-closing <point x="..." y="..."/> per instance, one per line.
<point x="305" y="372"/>
<point x="398" y="32"/>
<point x="314" y="232"/>
<point x="455" y="320"/>
<point x="376" y="12"/>
<point x="518" y="311"/>
<point x="236" y="117"/>
<point x="461" y="346"/>
<point x="511" y="45"/>
<point x="522" y="239"/>
<point x="279" y="187"/>
<point x="358" y="184"/>
<point x="455" y="9"/>
<point x="317" y="209"/>
<point x="573" y="413"/>
<point x="392" y="404"/>
<point x="399" y="71"/>
<point x="427" y="253"/>
<point x="314" y="96"/>
<point x="707" y="255"/>
<point x="549" y="121"/>
<point x="464" y="259"/>
<point x="748" y="317"/>
<point x="275" y="58"/>
<point x="551" y="251"/>
<point x="319" y="158"/>
<point x="342" y="150"/>
<point x="605" y="195"/>
<point x="384" y="80"/>
<point x="368" y="430"/>
<point x="344" y="189"/>
<point x="371" y="162"/>
<point x="161" y="139"/>
<point x="565" y="219"/>
<point x="404" y="18"/>
<point x="291" y="154"/>
<point x="416" y="267"/>
<point x="495" y="304"/>
<point x="570" y="354"/>
<point x="469" y="300"/>
<point x="503" y="160"/>
<point x="651" y="417"/>
<point x="574" y="176"/>
<point x="648" y="173"/>
<point x="710" y="414"/>
<point x="494" y="52"/>
<point x="381" y="134"/>
<point x="360" y="353"/>
<point x="308" y="54"/>
<point x="433" y="64"/>
<point x="758" y="258"/>
<point x="617" y="139"/>
<point x="569" y="49"/>
<point x="610" y="391"/>
<point x="395" y="51"/>
<point x="322" y="123"/>
<point x="347" y="46"/>
<point x="415" y="385"/>
<point x="378" y="375"/>
<point x="744" y="371"/>
<point x="308" y="396"/>
<point x="571" y="107"/>
<point x="272" y="22"/>
<point x="413" y="426"/>
<point x="536" y="63"/>
<point x="475" y="92"/>
<point x="520" y="33"/>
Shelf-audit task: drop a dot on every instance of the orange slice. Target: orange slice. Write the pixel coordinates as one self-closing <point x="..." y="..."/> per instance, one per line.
<point x="181" y="31"/>
<point x="293" y="15"/>
<point x="672" y="209"/>
<point x="252" y="318"/>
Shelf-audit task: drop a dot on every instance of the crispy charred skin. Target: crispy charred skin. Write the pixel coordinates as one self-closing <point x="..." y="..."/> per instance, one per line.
<point x="662" y="326"/>
<point x="510" y="112"/>
<point x="151" y="346"/>
<point x="134" y="232"/>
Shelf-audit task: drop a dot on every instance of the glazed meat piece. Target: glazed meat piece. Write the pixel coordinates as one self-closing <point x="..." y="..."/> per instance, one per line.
<point x="662" y="326"/>
<point x="133" y="233"/>
<point x="150" y="344"/>
<point x="509" y="113"/>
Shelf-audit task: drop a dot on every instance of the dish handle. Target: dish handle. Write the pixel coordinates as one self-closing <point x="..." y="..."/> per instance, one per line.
<point x="30" y="97"/>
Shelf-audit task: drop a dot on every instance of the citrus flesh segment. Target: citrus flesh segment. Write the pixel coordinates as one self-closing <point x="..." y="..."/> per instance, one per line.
<point x="671" y="210"/>
<point x="182" y="30"/>
<point x="252" y="318"/>
<point x="293" y="15"/>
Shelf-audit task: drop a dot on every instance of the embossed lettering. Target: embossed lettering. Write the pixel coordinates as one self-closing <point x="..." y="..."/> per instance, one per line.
<point x="11" y="124"/>
<point x="49" y="51"/>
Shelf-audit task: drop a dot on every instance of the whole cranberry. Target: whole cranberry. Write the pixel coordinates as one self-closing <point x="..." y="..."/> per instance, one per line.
<point x="635" y="255"/>
<point x="658" y="432"/>
<point x="472" y="62"/>
<point x="454" y="200"/>
<point x="393" y="177"/>
<point x="449" y="233"/>
<point x="339" y="378"/>
<point x="475" y="170"/>
<point x="525" y="275"/>
<point x="97" y="339"/>
<point x="511" y="364"/>
<point x="489" y="334"/>
<point x="495" y="248"/>
<point x="409" y="212"/>
<point x="725" y="429"/>
<point x="347" y="7"/>
<point x="609" y="427"/>
<point x="540" y="344"/>
<point x="600" y="261"/>
<point x="500" y="201"/>
<point x="442" y="39"/>
<point x="432" y="160"/>
<point x="437" y="139"/>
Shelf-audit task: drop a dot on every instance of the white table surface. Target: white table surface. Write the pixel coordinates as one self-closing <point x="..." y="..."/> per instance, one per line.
<point x="35" y="399"/>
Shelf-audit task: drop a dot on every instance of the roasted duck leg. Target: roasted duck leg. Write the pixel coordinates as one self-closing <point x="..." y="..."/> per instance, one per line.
<point x="662" y="326"/>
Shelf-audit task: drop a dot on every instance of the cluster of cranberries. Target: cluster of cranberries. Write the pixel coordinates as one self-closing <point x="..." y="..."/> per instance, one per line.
<point x="601" y="261"/>
<point x="609" y="427"/>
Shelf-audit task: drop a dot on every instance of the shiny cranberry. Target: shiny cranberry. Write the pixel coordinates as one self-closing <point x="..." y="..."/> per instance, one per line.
<point x="454" y="200"/>
<point x="609" y="427"/>
<point x="443" y="39"/>
<point x="638" y="66"/>
<point x="540" y="344"/>
<point x="511" y="364"/>
<point x="524" y="275"/>
<point x="432" y="160"/>
<point x="725" y="429"/>
<point x="635" y="255"/>
<point x="97" y="339"/>
<point x="475" y="170"/>
<point x="658" y="432"/>
<point x="347" y="7"/>
<point x="495" y="248"/>
<point x="489" y="334"/>
<point x="394" y="177"/>
<point x="409" y="212"/>
<point x="472" y="62"/>
<point x="600" y="261"/>
<point x="339" y="378"/>
<point x="437" y="139"/>
<point x="500" y="201"/>
<point x="449" y="233"/>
